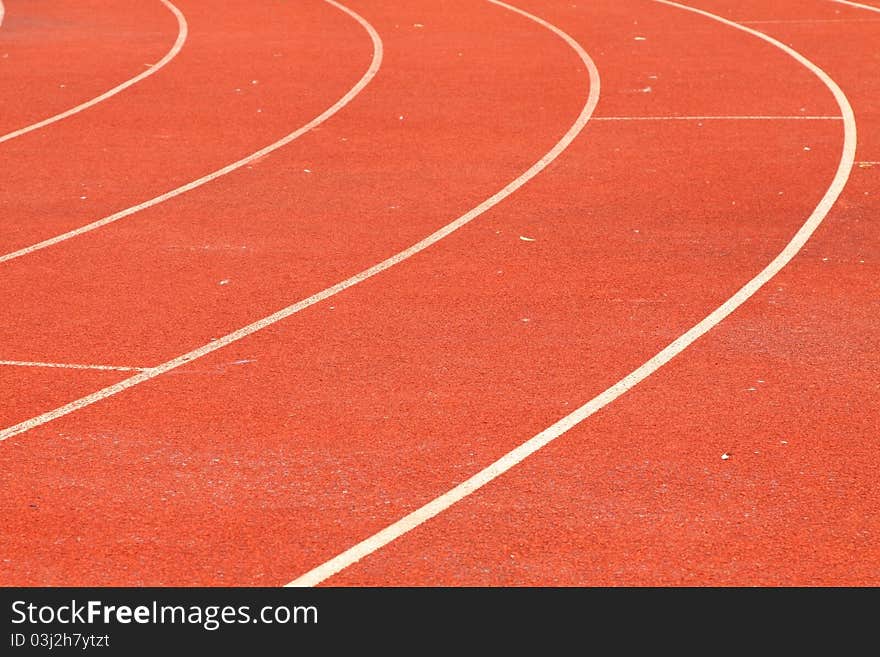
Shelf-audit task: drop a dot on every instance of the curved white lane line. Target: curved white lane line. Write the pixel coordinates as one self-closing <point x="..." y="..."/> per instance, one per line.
<point x="326" y="114"/>
<point x="534" y="170"/>
<point x="512" y="458"/>
<point x="182" y="31"/>
<point x="857" y="5"/>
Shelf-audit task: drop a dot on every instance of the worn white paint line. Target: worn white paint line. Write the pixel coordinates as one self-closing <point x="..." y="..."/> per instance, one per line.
<point x="71" y="366"/>
<point x="580" y="122"/>
<point x="808" y="21"/>
<point x="858" y="5"/>
<point x="718" y="118"/>
<point x="517" y="455"/>
<point x="318" y="120"/>
<point x="182" y="31"/>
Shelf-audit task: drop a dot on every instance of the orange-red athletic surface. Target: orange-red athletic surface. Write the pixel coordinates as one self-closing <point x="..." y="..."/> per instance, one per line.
<point x="264" y="459"/>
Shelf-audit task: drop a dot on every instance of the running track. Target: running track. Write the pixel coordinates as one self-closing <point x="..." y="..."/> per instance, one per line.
<point x="453" y="293"/>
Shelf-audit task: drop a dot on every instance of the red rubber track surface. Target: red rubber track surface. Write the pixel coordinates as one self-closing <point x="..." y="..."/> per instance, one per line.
<point x="264" y="459"/>
<point x="57" y="54"/>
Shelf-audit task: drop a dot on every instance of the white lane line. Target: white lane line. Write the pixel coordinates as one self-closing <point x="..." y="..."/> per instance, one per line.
<point x="2" y="13"/>
<point x="326" y="114"/>
<point x="71" y="366"/>
<point x="816" y="20"/>
<point x="718" y="118"/>
<point x="182" y="31"/>
<point x="858" y="5"/>
<point x="575" y="129"/>
<point x="512" y="458"/>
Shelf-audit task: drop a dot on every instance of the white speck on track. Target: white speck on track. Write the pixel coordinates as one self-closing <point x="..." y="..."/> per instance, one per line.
<point x="537" y="442"/>
<point x="182" y="31"/>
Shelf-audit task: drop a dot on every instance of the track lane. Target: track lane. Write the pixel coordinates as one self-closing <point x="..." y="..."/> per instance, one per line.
<point x="55" y="56"/>
<point x="152" y="68"/>
<point x="391" y="439"/>
<point x="278" y="233"/>
<point x="263" y="269"/>
<point x="859" y="5"/>
<point x="490" y="45"/>
<point x="786" y="389"/>
<point x="28" y="391"/>
<point x="205" y="110"/>
<point x="807" y="13"/>
<point x="18" y="406"/>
